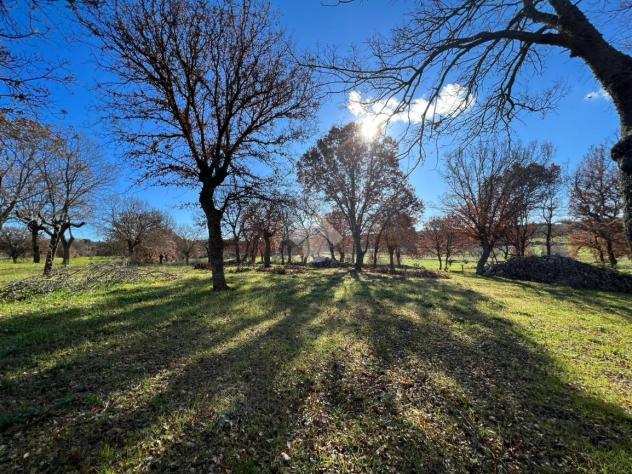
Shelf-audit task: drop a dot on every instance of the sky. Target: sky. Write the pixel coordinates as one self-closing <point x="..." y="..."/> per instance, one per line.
<point x="584" y="117"/>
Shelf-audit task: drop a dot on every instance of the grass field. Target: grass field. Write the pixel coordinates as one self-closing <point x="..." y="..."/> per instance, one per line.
<point x="321" y="370"/>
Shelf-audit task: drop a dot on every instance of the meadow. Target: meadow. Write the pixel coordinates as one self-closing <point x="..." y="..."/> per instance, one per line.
<point x="321" y="370"/>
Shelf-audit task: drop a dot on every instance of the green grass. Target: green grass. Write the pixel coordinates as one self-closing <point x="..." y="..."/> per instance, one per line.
<point x="317" y="371"/>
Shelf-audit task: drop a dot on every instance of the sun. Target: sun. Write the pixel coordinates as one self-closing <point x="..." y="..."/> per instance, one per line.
<point x="370" y="127"/>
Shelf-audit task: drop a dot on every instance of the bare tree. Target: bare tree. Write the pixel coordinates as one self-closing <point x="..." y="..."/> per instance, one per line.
<point x="14" y="242"/>
<point x="340" y="224"/>
<point x="483" y="54"/>
<point x="237" y="194"/>
<point x="531" y="184"/>
<point x="550" y="206"/>
<point x="264" y="217"/>
<point x="133" y="224"/>
<point x="398" y="214"/>
<point x="205" y="89"/>
<point x="482" y="185"/>
<point x="234" y="220"/>
<point x="443" y="237"/>
<point x="30" y="212"/>
<point x="595" y="202"/>
<point x="71" y="178"/>
<point x="25" y="74"/>
<point x="355" y="176"/>
<point x="187" y="241"/>
<point x="399" y="234"/>
<point x="23" y="146"/>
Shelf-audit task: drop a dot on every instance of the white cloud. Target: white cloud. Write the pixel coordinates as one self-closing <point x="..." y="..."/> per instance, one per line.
<point x="374" y="115"/>
<point x="601" y="94"/>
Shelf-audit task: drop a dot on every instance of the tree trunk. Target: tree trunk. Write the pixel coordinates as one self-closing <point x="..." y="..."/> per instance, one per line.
<point x="332" y="250"/>
<point x="602" y="259"/>
<point x="622" y="154"/>
<point x="549" y="233"/>
<point x="237" y="255"/>
<point x="52" y="250"/>
<point x="14" y="258"/>
<point x="215" y="241"/>
<point x="282" y="252"/>
<point x="66" y="244"/>
<point x="480" y="266"/>
<point x="391" y="261"/>
<point x="289" y="253"/>
<point x="130" y="250"/>
<point x="398" y="255"/>
<point x="613" y="69"/>
<point x="612" y="259"/>
<point x="359" y="253"/>
<point x="266" y="250"/>
<point x="35" y="244"/>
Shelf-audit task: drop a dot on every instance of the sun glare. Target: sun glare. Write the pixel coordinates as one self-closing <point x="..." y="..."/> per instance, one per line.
<point x="370" y="127"/>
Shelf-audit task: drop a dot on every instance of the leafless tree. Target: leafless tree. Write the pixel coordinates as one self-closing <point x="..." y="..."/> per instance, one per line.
<point x="398" y="235"/>
<point x="72" y="177"/>
<point x="133" y="224"/>
<point x="238" y="193"/>
<point x="264" y="217"/>
<point x="398" y="214"/>
<point x="595" y="203"/>
<point x="25" y="74"/>
<point x="339" y="223"/>
<point x="187" y="241"/>
<point x="356" y="176"/>
<point x="489" y="52"/>
<point x="443" y="237"/>
<point x="234" y="220"/>
<point x="14" y="242"/>
<point x="550" y="207"/>
<point x="30" y="212"/>
<point x="532" y="182"/>
<point x="204" y="90"/>
<point x="482" y="185"/>
<point x="24" y="144"/>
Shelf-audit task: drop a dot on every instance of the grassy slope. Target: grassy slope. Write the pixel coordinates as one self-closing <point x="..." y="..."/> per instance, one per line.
<point x="317" y="370"/>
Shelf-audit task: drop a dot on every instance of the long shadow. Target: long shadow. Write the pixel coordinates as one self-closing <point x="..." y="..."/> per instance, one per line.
<point x="497" y="392"/>
<point x="163" y="349"/>
<point x="323" y="371"/>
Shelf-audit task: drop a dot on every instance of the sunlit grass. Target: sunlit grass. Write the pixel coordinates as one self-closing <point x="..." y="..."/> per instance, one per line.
<point x="319" y="370"/>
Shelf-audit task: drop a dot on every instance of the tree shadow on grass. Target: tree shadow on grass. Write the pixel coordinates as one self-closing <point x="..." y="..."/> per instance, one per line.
<point x="444" y="382"/>
<point x="321" y="371"/>
<point x="106" y="378"/>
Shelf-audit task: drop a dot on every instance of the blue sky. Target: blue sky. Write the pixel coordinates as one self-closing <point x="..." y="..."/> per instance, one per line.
<point x="577" y="124"/>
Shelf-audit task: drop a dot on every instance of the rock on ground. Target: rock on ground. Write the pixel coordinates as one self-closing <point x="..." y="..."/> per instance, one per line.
<point x="563" y="271"/>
